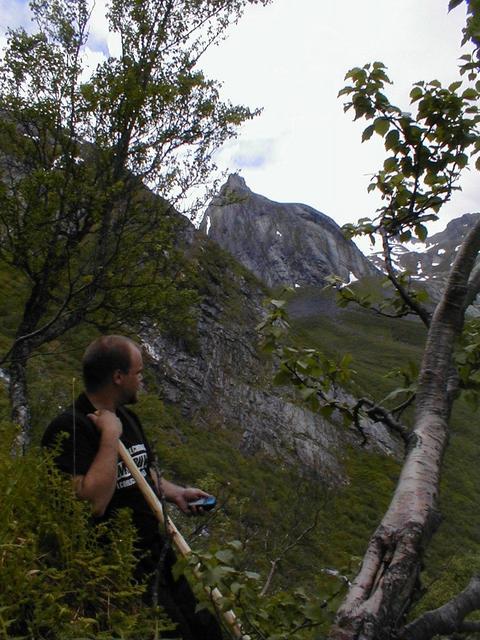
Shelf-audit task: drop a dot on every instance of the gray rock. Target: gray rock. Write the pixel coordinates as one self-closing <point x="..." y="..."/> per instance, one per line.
<point x="228" y="381"/>
<point x="430" y="262"/>
<point x="282" y="244"/>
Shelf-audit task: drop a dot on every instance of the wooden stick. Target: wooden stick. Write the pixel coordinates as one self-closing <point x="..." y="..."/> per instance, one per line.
<point x="177" y="538"/>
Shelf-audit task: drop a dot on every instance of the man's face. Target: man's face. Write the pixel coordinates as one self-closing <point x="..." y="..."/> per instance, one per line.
<point x="130" y="383"/>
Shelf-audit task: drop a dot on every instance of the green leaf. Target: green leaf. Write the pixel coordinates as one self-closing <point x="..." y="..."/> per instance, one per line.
<point x="422" y="296"/>
<point x="392" y="139"/>
<point x="431" y="178"/>
<point x="252" y="575"/>
<point x="382" y="125"/>
<point x="345" y="91"/>
<point x="415" y="94"/>
<point x="302" y="364"/>
<point x="454" y="86"/>
<point x="236" y="587"/>
<point x="357" y="74"/>
<point x="224" y="555"/>
<point x="279" y="304"/>
<point x="477" y="163"/>
<point x="346" y="360"/>
<point x="368" y="132"/>
<point x="326" y="411"/>
<point x="307" y="393"/>
<point x="235" y="544"/>
<point x="216" y="575"/>
<point x="470" y="94"/>
<point x="390" y="164"/>
<point x="453" y="4"/>
<point x="421" y="232"/>
<point x="462" y="160"/>
<point x="282" y="377"/>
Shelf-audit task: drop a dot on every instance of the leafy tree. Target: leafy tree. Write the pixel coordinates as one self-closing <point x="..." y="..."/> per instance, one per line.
<point x="427" y="152"/>
<point x="79" y="231"/>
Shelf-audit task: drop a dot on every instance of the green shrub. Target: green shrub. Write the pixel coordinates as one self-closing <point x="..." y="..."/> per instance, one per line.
<point x="280" y="615"/>
<point x="60" y="577"/>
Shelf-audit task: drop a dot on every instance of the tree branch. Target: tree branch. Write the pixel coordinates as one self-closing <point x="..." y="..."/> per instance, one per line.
<point x="417" y="308"/>
<point x="284" y="551"/>
<point x="449" y="618"/>
<point x="379" y="414"/>
<point x="473" y="286"/>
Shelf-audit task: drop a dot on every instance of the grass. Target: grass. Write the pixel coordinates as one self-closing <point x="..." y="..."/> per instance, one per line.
<point x="379" y="344"/>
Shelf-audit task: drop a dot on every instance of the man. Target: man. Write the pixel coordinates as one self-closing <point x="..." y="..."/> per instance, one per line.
<point x="112" y="373"/>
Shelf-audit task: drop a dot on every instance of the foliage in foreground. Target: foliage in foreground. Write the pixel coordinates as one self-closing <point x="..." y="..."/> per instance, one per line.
<point x="427" y="151"/>
<point x="286" y="613"/>
<point x="60" y="577"/>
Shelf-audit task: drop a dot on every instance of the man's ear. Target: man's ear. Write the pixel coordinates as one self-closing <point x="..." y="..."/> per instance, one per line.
<point x="117" y="376"/>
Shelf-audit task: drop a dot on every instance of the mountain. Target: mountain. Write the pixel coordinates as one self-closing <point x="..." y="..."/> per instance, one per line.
<point x="282" y="244"/>
<point x="430" y="262"/>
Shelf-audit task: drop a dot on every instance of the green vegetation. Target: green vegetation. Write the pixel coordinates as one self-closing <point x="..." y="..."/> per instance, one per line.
<point x="265" y="505"/>
<point x="374" y="341"/>
<point x="379" y="346"/>
<point x="60" y="578"/>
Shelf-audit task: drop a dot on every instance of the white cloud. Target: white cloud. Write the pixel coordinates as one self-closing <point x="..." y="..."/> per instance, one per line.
<point x="291" y="58"/>
<point x="13" y="14"/>
<point x="92" y="59"/>
<point x="248" y="154"/>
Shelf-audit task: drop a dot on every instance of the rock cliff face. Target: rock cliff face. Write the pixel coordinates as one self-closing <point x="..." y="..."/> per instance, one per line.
<point x="432" y="260"/>
<point x="282" y="244"/>
<point x="226" y="379"/>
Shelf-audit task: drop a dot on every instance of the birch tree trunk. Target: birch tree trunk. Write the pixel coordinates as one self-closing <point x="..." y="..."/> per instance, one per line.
<point x="382" y="592"/>
<point x="18" y="395"/>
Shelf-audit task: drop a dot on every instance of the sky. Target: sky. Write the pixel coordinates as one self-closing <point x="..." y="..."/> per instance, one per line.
<point x="290" y="59"/>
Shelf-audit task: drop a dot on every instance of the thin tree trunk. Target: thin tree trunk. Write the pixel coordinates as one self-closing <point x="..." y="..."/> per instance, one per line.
<point x="18" y="394"/>
<point x="383" y="591"/>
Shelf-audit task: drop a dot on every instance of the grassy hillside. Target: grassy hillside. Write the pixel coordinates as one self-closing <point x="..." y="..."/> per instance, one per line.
<point x="267" y="505"/>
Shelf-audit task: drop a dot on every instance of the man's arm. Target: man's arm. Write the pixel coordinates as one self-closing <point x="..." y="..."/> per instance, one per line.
<point x="98" y="484"/>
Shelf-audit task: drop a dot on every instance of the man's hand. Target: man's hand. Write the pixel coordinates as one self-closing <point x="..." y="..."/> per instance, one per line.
<point x="107" y="423"/>
<point x="182" y="496"/>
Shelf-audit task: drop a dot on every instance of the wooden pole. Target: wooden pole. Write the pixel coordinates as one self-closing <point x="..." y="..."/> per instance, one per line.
<point x="176" y="537"/>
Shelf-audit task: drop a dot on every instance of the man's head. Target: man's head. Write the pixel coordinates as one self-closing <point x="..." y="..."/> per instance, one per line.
<point x="113" y="364"/>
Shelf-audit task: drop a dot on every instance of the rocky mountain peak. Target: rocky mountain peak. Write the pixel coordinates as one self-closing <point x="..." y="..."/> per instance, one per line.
<point x="235" y="182"/>
<point x="281" y="243"/>
<point x="430" y="261"/>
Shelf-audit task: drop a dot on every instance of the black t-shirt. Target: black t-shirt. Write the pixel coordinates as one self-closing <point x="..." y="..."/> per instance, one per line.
<point x="78" y="448"/>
